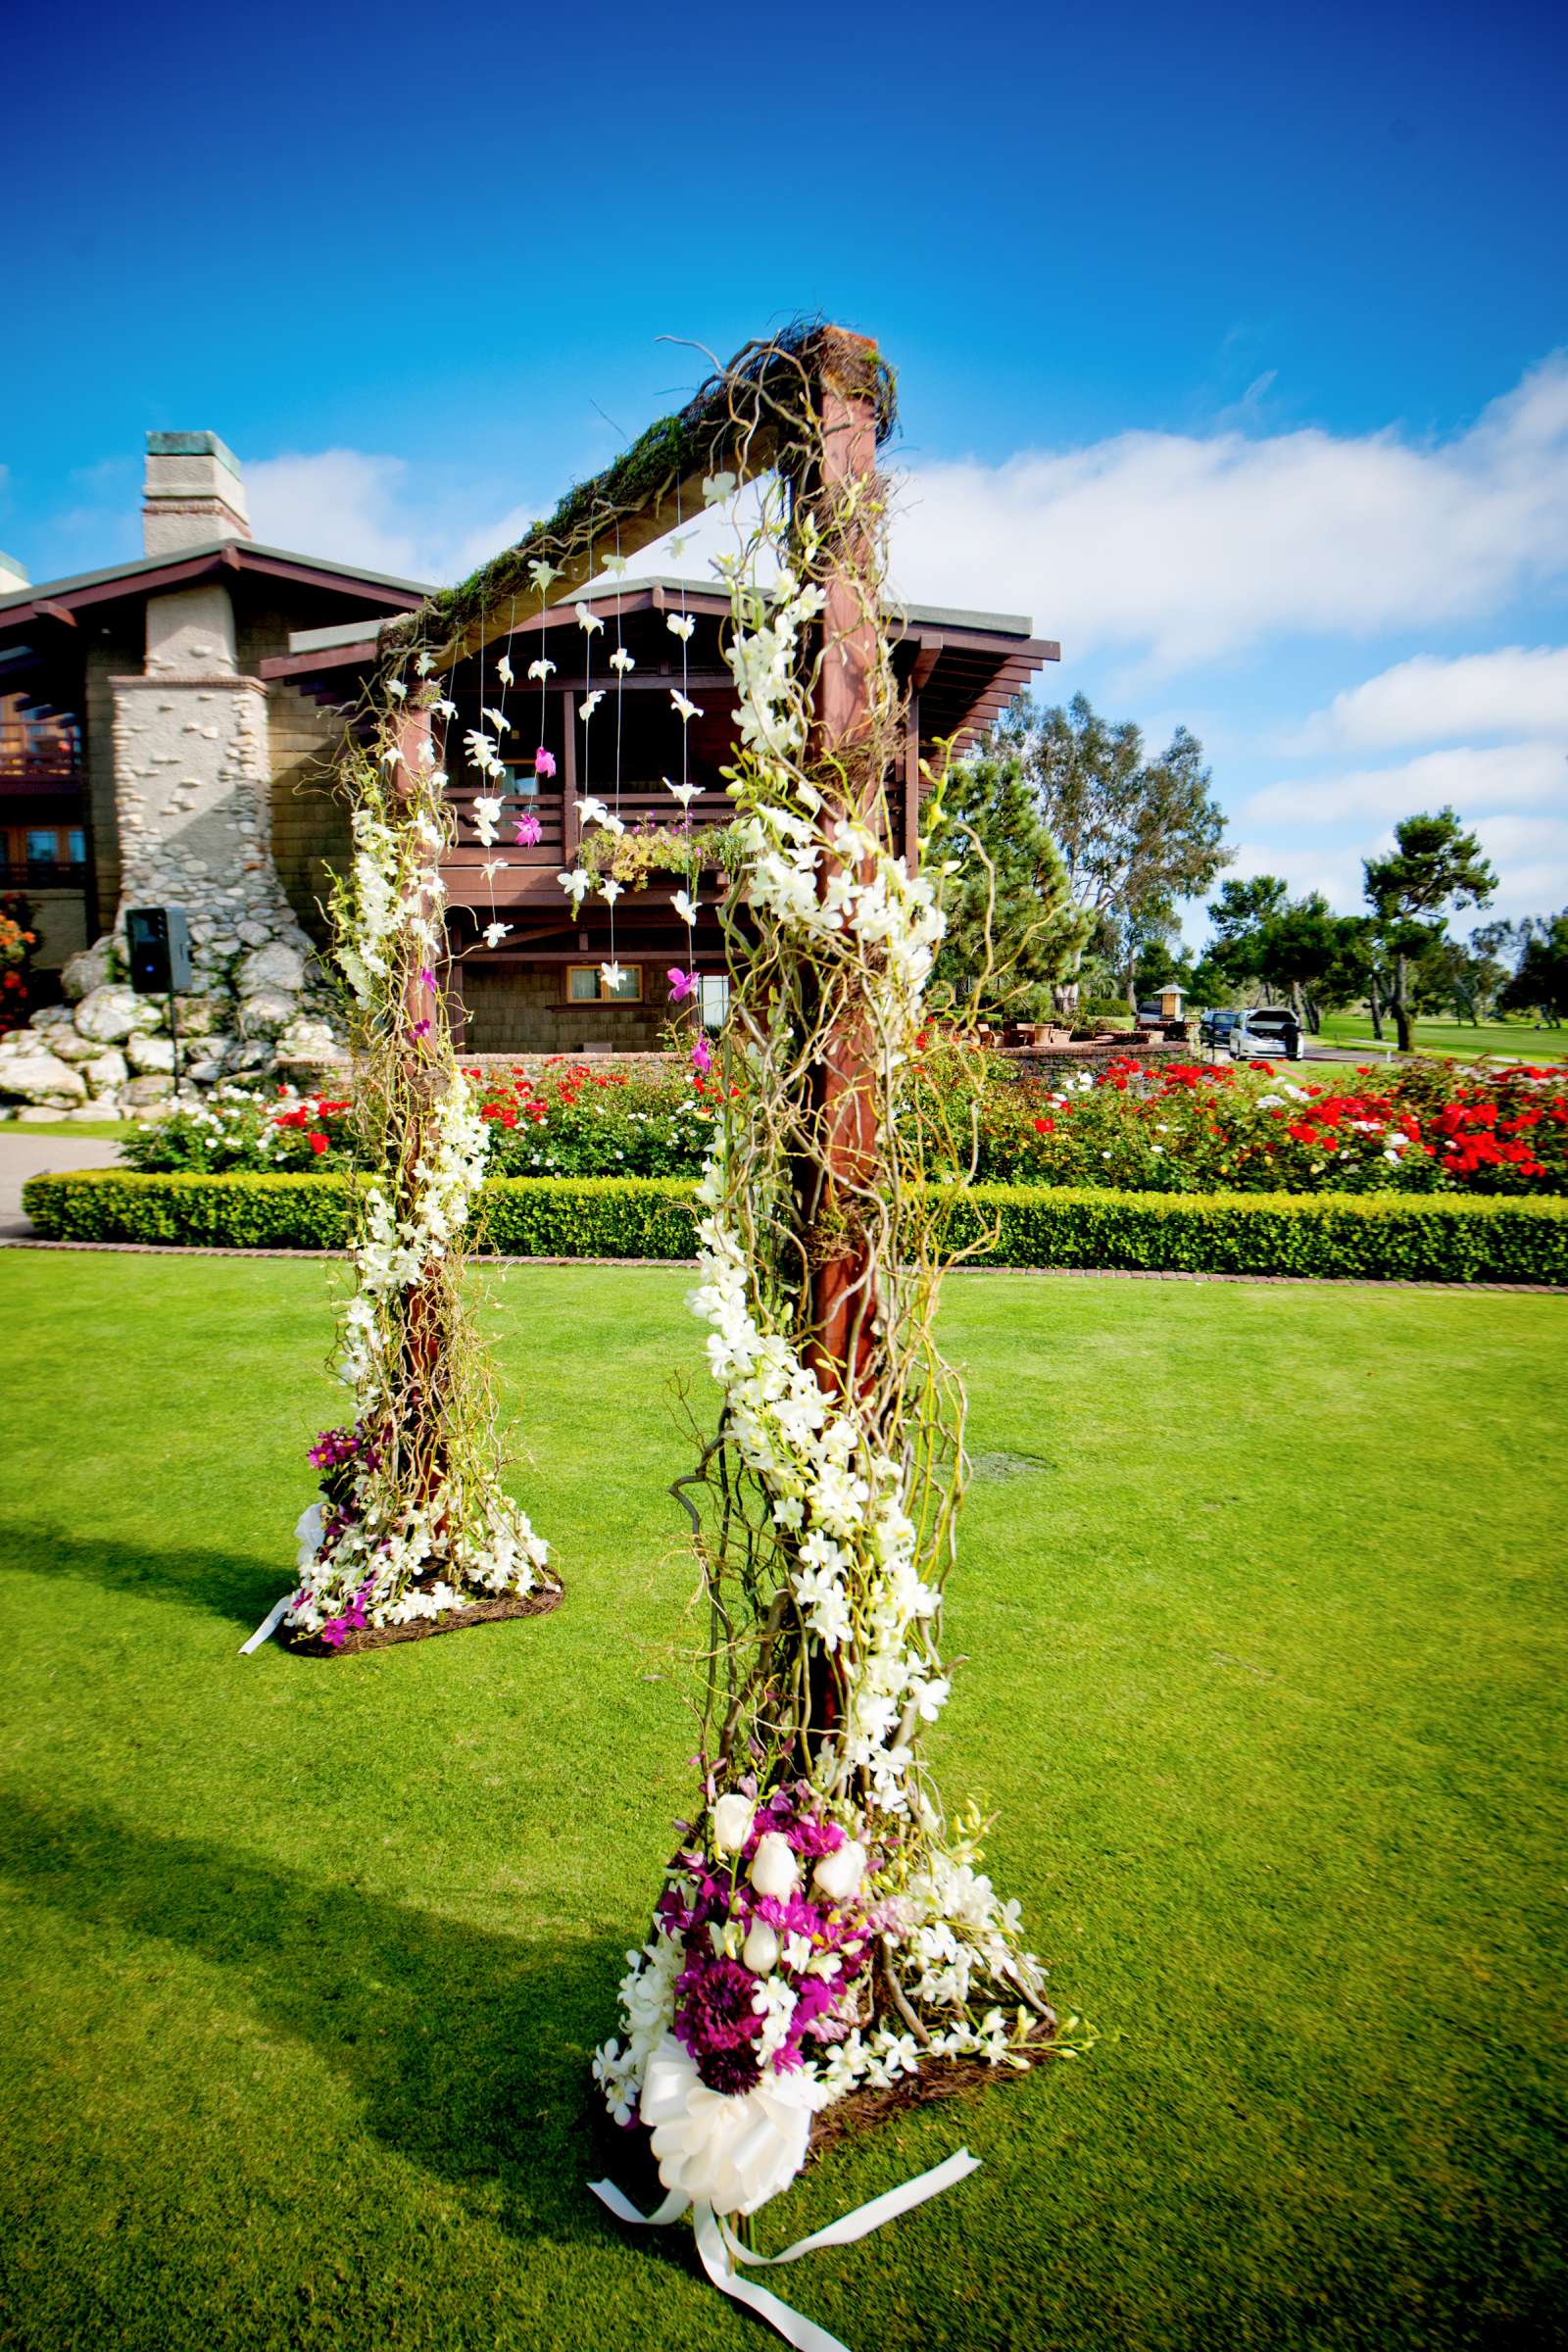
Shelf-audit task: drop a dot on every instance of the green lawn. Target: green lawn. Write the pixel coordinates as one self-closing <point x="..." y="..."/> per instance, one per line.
<point x="118" y="1128"/>
<point x="1514" y="1041"/>
<point x="305" y="1959"/>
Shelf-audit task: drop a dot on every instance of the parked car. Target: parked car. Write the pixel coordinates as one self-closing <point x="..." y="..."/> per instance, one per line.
<point x="1214" y="1029"/>
<point x="1267" y="1033"/>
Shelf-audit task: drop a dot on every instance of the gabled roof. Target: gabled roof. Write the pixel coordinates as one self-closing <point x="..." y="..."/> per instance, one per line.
<point x="56" y="600"/>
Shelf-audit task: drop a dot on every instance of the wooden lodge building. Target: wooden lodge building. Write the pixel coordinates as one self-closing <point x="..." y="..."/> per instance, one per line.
<point x="209" y="630"/>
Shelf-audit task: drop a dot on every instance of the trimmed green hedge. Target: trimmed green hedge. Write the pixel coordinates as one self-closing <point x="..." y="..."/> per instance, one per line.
<point x="1388" y="1237"/>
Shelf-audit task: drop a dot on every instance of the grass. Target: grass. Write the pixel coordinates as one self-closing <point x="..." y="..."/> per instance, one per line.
<point x="1512" y="1040"/>
<point x="305" y="1959"/>
<point x="118" y="1129"/>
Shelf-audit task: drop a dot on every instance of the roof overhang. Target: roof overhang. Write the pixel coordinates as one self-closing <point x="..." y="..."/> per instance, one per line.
<point x="60" y="600"/>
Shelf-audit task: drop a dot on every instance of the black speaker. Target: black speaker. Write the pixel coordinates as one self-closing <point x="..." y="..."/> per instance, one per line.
<point x="158" y="943"/>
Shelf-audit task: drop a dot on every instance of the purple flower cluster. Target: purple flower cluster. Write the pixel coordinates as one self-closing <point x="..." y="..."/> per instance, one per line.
<point x="336" y="1447"/>
<point x="716" y="2018"/>
<point x="336" y="1631"/>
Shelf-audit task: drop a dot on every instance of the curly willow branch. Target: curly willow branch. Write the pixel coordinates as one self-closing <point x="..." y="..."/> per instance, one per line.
<point x="834" y="1482"/>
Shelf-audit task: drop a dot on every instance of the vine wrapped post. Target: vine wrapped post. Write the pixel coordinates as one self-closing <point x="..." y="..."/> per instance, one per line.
<point x="412" y="1530"/>
<point x="822" y="1934"/>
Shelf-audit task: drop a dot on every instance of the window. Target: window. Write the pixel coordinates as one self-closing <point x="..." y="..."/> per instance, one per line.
<point x="587" y="985"/>
<point x="42" y="847"/>
<point x="76" y="845"/>
<point x="713" y="999"/>
<point x="523" y="783"/>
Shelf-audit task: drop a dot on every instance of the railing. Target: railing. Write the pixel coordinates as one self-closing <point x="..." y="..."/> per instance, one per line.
<point x="38" y="758"/>
<point x="42" y="873"/>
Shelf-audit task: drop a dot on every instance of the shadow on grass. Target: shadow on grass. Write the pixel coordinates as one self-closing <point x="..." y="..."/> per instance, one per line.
<point x="470" y="2051"/>
<point x="231" y="1585"/>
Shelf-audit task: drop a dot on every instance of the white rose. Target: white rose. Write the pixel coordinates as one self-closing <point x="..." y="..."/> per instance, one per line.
<point x="837" y="1875"/>
<point x="759" y="1951"/>
<point x="732" y="1823"/>
<point x="731" y="2153"/>
<point x="774" y="1868"/>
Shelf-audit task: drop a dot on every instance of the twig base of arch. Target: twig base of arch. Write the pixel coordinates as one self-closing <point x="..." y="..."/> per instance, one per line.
<point x="938" y="2079"/>
<point x="537" y="1604"/>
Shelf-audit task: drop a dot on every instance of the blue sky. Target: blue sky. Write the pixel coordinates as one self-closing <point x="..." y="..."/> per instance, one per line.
<point x="1232" y="342"/>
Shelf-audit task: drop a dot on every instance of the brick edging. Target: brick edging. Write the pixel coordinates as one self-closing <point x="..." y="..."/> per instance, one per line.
<point x="1348" y="1282"/>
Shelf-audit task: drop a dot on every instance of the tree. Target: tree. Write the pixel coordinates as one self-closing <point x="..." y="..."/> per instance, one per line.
<point x="1539" y="981"/>
<point x="1012" y="930"/>
<point x="1296" y="948"/>
<point x="1434" y="866"/>
<point x="1136" y="834"/>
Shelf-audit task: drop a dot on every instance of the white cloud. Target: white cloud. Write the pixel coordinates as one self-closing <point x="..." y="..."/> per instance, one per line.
<point x="1517" y="691"/>
<point x="358" y="508"/>
<point x="1185" y="548"/>
<point x="1514" y="775"/>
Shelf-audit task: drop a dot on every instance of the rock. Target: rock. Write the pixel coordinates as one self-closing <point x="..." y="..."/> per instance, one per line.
<point x="253" y="934"/>
<point x="72" y="1045"/>
<point x="271" y="968"/>
<point x="266" y="1012"/>
<point x="305" y="1040"/>
<point x="89" y="968"/>
<point x="206" y="1072"/>
<point x="199" y="1015"/>
<point x="149" y="1089"/>
<point x="107" y="1072"/>
<point x="52" y="1016"/>
<point x="111" y="1013"/>
<point x="35" y="1114"/>
<point x="104" y="1109"/>
<point x="255" y="1056"/>
<point x="150" y="1052"/>
<point x="29" y="1070"/>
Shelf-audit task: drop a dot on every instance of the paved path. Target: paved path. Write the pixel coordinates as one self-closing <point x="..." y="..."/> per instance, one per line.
<point x="22" y="1155"/>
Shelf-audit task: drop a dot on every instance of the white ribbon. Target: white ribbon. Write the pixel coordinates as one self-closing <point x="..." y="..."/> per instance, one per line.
<point x="720" y="2249"/>
<point x="268" y="1627"/>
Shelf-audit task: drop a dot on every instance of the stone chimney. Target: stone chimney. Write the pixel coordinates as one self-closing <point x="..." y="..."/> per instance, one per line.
<point x="13" y="575"/>
<point x="194" y="493"/>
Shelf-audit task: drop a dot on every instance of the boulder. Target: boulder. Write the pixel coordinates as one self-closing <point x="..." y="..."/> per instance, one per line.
<point x="148" y="1089"/>
<point x="37" y="1114"/>
<point x="199" y="1015"/>
<point x="257" y="1055"/>
<point x="29" y="1070"/>
<point x="89" y="968"/>
<point x="72" y="1045"/>
<point x="275" y="968"/>
<point x="150" y="1052"/>
<point x="107" y="1072"/>
<point x="307" y="1039"/>
<point x="108" y="1015"/>
<point x="52" y="1016"/>
<point x="266" y="1012"/>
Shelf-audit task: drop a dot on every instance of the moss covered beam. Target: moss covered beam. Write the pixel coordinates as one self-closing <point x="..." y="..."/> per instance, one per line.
<point x="730" y="427"/>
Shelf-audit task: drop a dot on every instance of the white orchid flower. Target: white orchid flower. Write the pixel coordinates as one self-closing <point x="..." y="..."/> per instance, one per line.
<point x="541" y="670"/>
<point x="679" y="545"/>
<point x="501" y="724"/>
<point x="620" y="660"/>
<point x="542" y="573"/>
<point x="615" y="565"/>
<point x="586" y="708"/>
<point x="424" y="665"/>
<point x="683" y="906"/>
<point x="397" y="687"/>
<point x="610" y="890"/>
<point x="717" y="486"/>
<point x="681" y="625"/>
<point x="588" y="621"/>
<point x="684" y="793"/>
<point x="612" y="975"/>
<point x="444" y="708"/>
<point x="391" y="757"/>
<point x="592" y="811"/>
<point x="578" y="883"/>
<point x="493" y="867"/>
<point x="688" y="711"/>
<point x="503" y="670"/>
<point x="494" y="933"/>
<point x="438" y="779"/>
